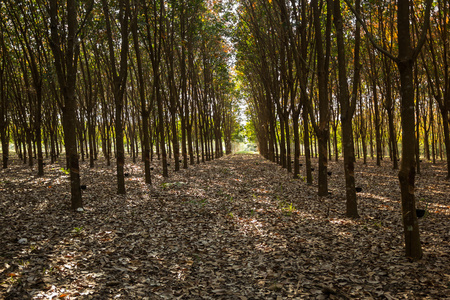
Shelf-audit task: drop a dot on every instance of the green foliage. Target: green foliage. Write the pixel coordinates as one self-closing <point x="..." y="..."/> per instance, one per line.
<point x="239" y="134"/>
<point x="65" y="171"/>
<point x="377" y="224"/>
<point x="245" y="152"/>
<point x="230" y="198"/>
<point x="249" y="131"/>
<point x="24" y="263"/>
<point x="78" y="230"/>
<point x="287" y="207"/>
<point x="167" y="185"/>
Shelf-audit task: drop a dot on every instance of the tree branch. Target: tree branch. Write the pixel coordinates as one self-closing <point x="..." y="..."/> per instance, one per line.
<point x="370" y="36"/>
<point x="423" y="37"/>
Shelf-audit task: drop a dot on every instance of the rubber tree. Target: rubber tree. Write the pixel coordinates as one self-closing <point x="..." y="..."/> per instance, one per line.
<point x="405" y="60"/>
<point x="145" y="109"/>
<point x="4" y="119"/>
<point x="119" y="81"/>
<point x="347" y="106"/>
<point x="66" y="50"/>
<point x="155" y="29"/>
<point x="323" y="58"/>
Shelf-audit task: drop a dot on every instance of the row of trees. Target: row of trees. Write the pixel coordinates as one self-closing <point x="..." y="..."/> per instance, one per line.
<point x="341" y="70"/>
<point x="102" y="76"/>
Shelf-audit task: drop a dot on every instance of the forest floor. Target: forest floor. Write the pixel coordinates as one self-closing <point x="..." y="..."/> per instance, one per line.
<point x="238" y="227"/>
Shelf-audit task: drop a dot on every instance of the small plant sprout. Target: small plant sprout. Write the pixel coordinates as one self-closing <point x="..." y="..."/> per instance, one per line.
<point x="49" y="271"/>
<point x="12" y="277"/>
<point x="288" y="208"/>
<point x="377" y="224"/>
<point x="291" y="207"/>
<point x="65" y="171"/>
<point x="23" y="263"/>
<point x="78" y="230"/>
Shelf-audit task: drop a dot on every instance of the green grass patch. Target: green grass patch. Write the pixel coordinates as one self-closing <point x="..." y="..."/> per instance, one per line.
<point x="246" y="152"/>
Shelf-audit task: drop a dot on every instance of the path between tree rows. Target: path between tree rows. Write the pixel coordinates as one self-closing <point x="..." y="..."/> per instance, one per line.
<point x="234" y="228"/>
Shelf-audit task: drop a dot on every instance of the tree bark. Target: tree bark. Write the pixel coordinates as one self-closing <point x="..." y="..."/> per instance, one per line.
<point x="322" y="129"/>
<point x="347" y="108"/>
<point x="119" y="84"/>
<point x="4" y="120"/>
<point x="144" y="108"/>
<point x="67" y="81"/>
<point x="406" y="175"/>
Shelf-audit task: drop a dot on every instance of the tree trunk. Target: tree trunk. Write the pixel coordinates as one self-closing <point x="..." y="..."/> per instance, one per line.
<point x="306" y="134"/>
<point x="119" y="84"/>
<point x="322" y="130"/>
<point x="377" y="124"/>
<point x="417" y="119"/>
<point x="347" y="109"/>
<point x="390" y="109"/>
<point x="407" y="173"/>
<point x="3" y="107"/>
<point x="407" y="170"/>
<point x="295" y="119"/>
<point x="288" y="145"/>
<point x="144" y="109"/>
<point x="66" y="69"/>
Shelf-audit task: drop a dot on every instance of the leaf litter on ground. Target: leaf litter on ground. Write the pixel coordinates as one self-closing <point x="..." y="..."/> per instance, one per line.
<point x="238" y="227"/>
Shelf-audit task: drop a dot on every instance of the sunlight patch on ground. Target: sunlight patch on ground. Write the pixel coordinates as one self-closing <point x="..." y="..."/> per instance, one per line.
<point x="439" y="208"/>
<point x="381" y="198"/>
<point x="342" y="221"/>
<point x="250" y="225"/>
